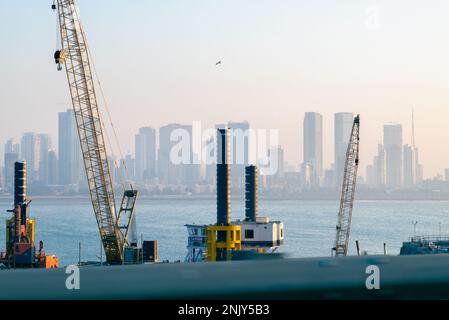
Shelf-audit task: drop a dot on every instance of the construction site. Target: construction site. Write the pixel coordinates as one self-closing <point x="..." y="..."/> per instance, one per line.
<point x="223" y="240"/>
<point x="226" y="258"/>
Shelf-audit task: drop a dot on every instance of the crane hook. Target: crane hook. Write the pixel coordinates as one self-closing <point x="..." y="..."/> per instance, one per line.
<point x="59" y="58"/>
<point x="53" y="6"/>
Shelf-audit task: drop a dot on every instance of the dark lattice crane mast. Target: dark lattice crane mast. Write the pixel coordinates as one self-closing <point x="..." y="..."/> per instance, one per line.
<point x="74" y="54"/>
<point x="348" y="191"/>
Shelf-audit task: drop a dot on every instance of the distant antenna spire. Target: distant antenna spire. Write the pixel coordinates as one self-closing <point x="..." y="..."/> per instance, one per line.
<point x="413" y="128"/>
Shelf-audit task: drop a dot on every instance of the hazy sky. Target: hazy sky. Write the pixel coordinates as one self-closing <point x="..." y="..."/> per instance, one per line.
<point x="281" y="58"/>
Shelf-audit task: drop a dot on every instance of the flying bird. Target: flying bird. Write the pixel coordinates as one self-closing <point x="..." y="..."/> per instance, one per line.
<point x="219" y="62"/>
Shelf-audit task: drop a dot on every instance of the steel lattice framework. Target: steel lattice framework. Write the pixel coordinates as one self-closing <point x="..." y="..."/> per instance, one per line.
<point x="79" y="74"/>
<point x="348" y="191"/>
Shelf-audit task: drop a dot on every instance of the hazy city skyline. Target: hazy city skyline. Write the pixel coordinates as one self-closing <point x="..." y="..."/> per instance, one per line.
<point x="400" y="163"/>
<point x="279" y="60"/>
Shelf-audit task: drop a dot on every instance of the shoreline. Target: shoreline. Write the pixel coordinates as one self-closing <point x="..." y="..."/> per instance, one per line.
<point x="6" y="198"/>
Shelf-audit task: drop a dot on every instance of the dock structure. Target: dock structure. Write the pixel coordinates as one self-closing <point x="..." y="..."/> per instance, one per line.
<point x="258" y="233"/>
<point x="426" y="245"/>
<point x="237" y="239"/>
<point x="196" y="243"/>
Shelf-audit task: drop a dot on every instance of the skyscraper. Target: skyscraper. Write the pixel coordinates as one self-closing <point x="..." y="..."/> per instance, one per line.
<point x="114" y="167"/>
<point x="176" y="158"/>
<point x="342" y="130"/>
<point x="145" y="150"/>
<point x="276" y="153"/>
<point x="410" y="163"/>
<point x="11" y="155"/>
<point x="69" y="149"/>
<point x="379" y="167"/>
<point x="210" y="161"/>
<point x="52" y="168"/>
<point x="393" y="154"/>
<point x="370" y="176"/>
<point x="166" y="170"/>
<point x="130" y="167"/>
<point x="276" y="159"/>
<point x="12" y="147"/>
<point x="125" y="171"/>
<point x="313" y="147"/>
<point x="139" y="146"/>
<point x="44" y="142"/>
<point x="29" y="152"/>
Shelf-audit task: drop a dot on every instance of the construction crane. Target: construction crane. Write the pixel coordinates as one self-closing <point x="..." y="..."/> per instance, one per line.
<point x="74" y="54"/>
<point x="348" y="191"/>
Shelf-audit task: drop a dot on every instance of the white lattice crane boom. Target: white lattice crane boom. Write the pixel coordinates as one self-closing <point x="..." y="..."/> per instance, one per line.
<point x="348" y="191"/>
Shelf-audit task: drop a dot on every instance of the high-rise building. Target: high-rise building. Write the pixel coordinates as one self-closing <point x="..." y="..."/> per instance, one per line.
<point x="176" y="160"/>
<point x="313" y="146"/>
<point x="145" y="151"/>
<point x="130" y="163"/>
<point x="139" y="146"/>
<point x="29" y="152"/>
<point x="393" y="154"/>
<point x="52" y="168"/>
<point x="307" y="176"/>
<point x="446" y="174"/>
<point x="12" y="151"/>
<point x="329" y="178"/>
<point x="125" y="171"/>
<point x="10" y="159"/>
<point x="210" y="161"/>
<point x="370" y="176"/>
<point x="114" y="166"/>
<point x="420" y="173"/>
<point x="12" y="147"/>
<point x="342" y="131"/>
<point x="44" y="142"/>
<point x="379" y="167"/>
<point x="168" y="171"/>
<point x="410" y="165"/>
<point x="375" y="173"/>
<point x="2" y="179"/>
<point x="276" y="154"/>
<point x="276" y="162"/>
<point x="70" y="158"/>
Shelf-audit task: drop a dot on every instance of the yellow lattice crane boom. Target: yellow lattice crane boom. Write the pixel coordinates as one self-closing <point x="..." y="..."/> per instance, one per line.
<point x="74" y="54"/>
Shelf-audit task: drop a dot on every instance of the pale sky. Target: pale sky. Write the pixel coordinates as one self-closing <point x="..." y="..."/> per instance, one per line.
<point x="280" y="58"/>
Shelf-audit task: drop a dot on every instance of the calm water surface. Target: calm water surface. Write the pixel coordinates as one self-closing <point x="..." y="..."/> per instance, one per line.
<point x="309" y="225"/>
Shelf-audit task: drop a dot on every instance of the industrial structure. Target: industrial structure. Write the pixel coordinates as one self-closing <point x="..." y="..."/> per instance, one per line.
<point x="348" y="191"/>
<point x="223" y="237"/>
<point x="114" y="227"/>
<point x="227" y="238"/>
<point x="20" y="230"/>
<point x="258" y="233"/>
<point x="425" y="245"/>
<point x="196" y="243"/>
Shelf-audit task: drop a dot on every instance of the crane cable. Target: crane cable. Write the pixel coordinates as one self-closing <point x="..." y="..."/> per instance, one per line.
<point x="122" y="159"/>
<point x="58" y="47"/>
<point x="58" y="36"/>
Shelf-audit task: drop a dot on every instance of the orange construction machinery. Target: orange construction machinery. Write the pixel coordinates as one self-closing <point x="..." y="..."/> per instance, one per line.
<point x="20" y="231"/>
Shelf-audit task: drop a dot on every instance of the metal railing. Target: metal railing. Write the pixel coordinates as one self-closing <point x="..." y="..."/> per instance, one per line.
<point x="430" y="238"/>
